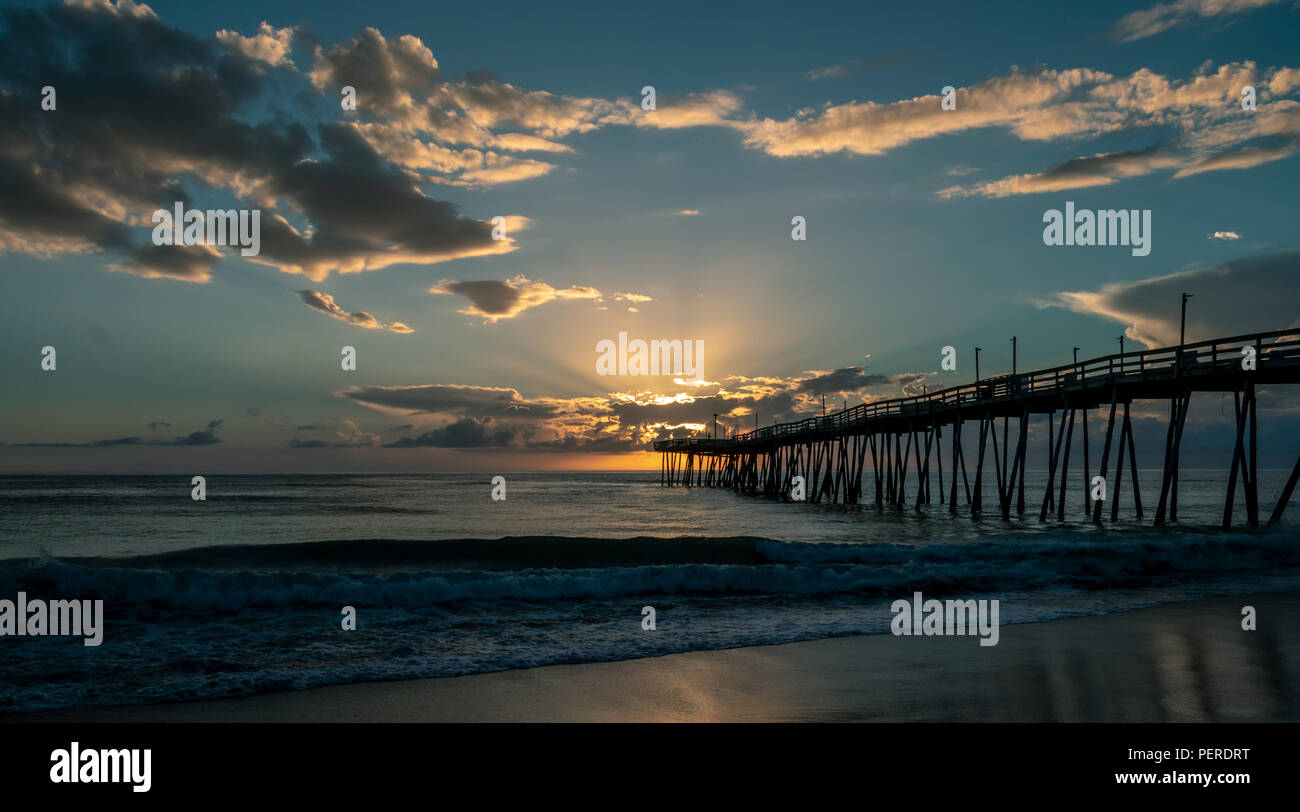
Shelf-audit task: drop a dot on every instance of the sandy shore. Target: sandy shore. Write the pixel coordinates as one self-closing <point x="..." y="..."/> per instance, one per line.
<point x="1179" y="662"/>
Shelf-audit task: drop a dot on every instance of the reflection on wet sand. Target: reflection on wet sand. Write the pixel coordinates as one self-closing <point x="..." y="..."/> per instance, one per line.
<point x="1178" y="662"/>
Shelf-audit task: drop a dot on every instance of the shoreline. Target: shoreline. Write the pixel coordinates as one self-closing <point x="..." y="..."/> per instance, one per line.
<point x="1187" y="661"/>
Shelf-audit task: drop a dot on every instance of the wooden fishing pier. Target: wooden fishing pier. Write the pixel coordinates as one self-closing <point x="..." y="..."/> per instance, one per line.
<point x="904" y="436"/>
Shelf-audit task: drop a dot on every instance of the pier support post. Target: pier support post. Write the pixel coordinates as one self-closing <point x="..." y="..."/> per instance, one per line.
<point x="1252" y="488"/>
<point x="1286" y="495"/>
<point x="1087" y="461"/>
<point x="1133" y="466"/>
<point x="1051" y="467"/>
<point x="1173" y="438"/>
<point x="875" y="468"/>
<point x="938" y="457"/>
<point x="1105" y="456"/>
<point x="956" y="459"/>
<point x="1065" y="466"/>
<point x="1238" y="453"/>
<point x="1021" y="447"/>
<point x="1119" y="465"/>
<point x="978" y="504"/>
<point x="1051" y="456"/>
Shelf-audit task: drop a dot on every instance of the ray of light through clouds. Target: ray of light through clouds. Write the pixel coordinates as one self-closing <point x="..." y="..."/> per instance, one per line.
<point x="500" y="202"/>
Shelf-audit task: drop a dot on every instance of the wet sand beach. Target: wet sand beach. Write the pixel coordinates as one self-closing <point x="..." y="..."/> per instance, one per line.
<point x="1176" y="662"/>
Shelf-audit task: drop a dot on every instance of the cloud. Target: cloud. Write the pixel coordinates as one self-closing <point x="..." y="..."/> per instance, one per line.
<point x="495" y="300"/>
<point x="846" y="379"/>
<point x="497" y="104"/>
<point x="464" y="433"/>
<point x="170" y="122"/>
<point x="324" y="303"/>
<point x="434" y="399"/>
<point x="452" y="416"/>
<point x="202" y="437"/>
<point x="453" y="167"/>
<point x="1239" y="159"/>
<point x="1234" y="298"/>
<point x="207" y="436"/>
<point x="181" y="262"/>
<point x="388" y="77"/>
<point x="1095" y="170"/>
<point x="1039" y="106"/>
<point x="447" y="132"/>
<point x="1225" y="235"/>
<point x="687" y="212"/>
<point x="350" y="436"/>
<point x="1049" y="105"/>
<point x="269" y="45"/>
<point x="1213" y="133"/>
<point x="1163" y="16"/>
<point x="710" y="109"/>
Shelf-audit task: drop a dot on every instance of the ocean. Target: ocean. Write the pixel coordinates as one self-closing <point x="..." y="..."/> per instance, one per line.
<point x="244" y="592"/>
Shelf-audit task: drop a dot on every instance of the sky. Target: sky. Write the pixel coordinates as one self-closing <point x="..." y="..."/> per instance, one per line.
<point x="923" y="226"/>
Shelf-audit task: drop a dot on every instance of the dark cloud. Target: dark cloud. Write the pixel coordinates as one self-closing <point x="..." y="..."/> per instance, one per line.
<point x="324" y="303"/>
<point x="409" y="113"/>
<point x="845" y="379"/>
<point x="465" y="433"/>
<point x="618" y="422"/>
<point x="349" y="435"/>
<point x="296" y="443"/>
<point x="206" y="436"/>
<point x="183" y="262"/>
<point x="606" y="444"/>
<point x="1238" y="297"/>
<point x="1244" y="157"/>
<point x="477" y="401"/>
<point x="367" y="215"/>
<point x="494" y="300"/>
<point x="1111" y="164"/>
<point x="490" y="297"/>
<point x="700" y="409"/>
<point x="143" y="106"/>
<point x="385" y="74"/>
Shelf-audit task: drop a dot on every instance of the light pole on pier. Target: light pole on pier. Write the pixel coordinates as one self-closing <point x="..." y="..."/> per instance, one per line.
<point x="977" y="364"/>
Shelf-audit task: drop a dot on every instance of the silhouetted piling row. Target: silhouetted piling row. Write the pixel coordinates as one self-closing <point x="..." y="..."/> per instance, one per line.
<point x="903" y="437"/>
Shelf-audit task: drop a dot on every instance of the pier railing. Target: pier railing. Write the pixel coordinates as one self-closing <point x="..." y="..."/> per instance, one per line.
<point x="1198" y="359"/>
